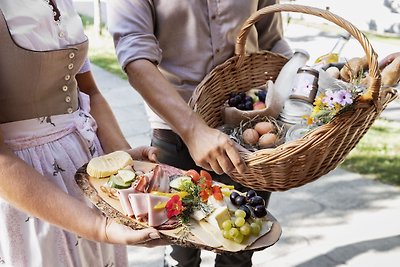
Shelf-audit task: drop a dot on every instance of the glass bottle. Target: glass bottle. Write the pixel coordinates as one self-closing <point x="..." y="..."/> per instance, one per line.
<point x="334" y="54"/>
<point x="283" y="83"/>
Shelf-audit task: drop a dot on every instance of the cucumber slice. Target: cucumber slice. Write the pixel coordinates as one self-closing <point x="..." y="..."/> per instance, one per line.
<point x="116" y="181"/>
<point x="179" y="181"/>
<point x="127" y="176"/>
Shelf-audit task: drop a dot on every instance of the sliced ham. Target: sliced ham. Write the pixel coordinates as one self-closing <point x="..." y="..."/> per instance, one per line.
<point x="142" y="205"/>
<point x="159" y="181"/>
<point x="156" y="217"/>
<point x="141" y="182"/>
<point x="139" y="205"/>
<point x="170" y="170"/>
<point x="124" y="200"/>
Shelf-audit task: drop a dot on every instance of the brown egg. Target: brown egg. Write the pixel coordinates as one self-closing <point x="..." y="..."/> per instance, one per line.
<point x="250" y="136"/>
<point x="264" y="127"/>
<point x="267" y="140"/>
<point x="333" y="72"/>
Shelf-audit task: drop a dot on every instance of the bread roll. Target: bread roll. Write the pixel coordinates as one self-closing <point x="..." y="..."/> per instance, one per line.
<point x="352" y="68"/>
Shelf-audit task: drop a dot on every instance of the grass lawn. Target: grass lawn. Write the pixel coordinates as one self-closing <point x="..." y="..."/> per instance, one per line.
<point x="376" y="156"/>
<point x="101" y="49"/>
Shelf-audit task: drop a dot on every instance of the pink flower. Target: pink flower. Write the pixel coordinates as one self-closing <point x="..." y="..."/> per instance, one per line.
<point x="329" y="99"/>
<point x="343" y="97"/>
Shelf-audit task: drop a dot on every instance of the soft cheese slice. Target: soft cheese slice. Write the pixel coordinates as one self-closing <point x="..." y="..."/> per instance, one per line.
<point x="218" y="216"/>
<point x="216" y="233"/>
<point x="204" y="236"/>
<point x="108" y="164"/>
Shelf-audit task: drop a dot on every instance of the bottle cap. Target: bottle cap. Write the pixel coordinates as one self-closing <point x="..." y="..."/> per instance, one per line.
<point x="302" y="51"/>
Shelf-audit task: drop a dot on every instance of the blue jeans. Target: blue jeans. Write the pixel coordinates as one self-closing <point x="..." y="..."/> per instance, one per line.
<point x="173" y="151"/>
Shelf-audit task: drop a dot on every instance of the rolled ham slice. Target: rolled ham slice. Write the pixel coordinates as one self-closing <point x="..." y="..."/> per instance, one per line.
<point x="124" y="200"/>
<point x="142" y="205"/>
<point x="139" y="205"/>
<point x="156" y="217"/>
<point x="159" y="181"/>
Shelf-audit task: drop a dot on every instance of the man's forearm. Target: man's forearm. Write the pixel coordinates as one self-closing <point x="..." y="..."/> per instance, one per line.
<point x="162" y="97"/>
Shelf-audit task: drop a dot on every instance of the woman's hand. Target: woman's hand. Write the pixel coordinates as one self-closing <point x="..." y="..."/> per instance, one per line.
<point x="116" y="233"/>
<point x="147" y="153"/>
<point x="387" y="60"/>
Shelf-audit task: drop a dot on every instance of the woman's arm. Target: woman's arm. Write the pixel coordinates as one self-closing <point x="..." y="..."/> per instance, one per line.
<point x="109" y="132"/>
<point x="27" y="190"/>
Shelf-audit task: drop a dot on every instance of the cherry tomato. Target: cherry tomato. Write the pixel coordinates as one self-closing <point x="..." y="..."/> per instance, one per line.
<point x="204" y="195"/>
<point x="218" y="196"/>
<point x="216" y="191"/>
<point x="205" y="174"/>
<point x="194" y="174"/>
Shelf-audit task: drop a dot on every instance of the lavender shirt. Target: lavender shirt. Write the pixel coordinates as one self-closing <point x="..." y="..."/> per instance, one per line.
<point x="187" y="39"/>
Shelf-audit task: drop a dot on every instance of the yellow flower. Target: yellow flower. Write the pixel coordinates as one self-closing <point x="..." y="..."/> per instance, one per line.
<point x="310" y="120"/>
<point x="337" y="107"/>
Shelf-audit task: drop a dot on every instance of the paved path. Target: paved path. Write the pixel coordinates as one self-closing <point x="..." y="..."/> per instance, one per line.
<point x="342" y="219"/>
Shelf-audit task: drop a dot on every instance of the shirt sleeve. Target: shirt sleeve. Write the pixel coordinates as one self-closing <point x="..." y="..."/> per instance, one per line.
<point x="85" y="67"/>
<point x="131" y="24"/>
<point x="270" y="30"/>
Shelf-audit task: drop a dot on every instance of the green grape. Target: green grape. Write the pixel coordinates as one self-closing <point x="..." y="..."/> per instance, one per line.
<point x="245" y="229"/>
<point x="239" y="222"/>
<point x="258" y="221"/>
<point x="255" y="228"/>
<point x="226" y="234"/>
<point x="240" y="213"/>
<point x="234" y="232"/>
<point x="238" y="238"/>
<point x="227" y="225"/>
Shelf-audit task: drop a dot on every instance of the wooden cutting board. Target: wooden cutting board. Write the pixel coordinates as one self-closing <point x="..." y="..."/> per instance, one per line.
<point x="112" y="208"/>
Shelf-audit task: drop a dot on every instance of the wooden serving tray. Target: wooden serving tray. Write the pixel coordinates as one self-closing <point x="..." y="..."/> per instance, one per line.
<point x="113" y="209"/>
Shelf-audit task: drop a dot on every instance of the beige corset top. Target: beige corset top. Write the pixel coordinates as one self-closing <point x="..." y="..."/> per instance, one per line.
<point x="37" y="83"/>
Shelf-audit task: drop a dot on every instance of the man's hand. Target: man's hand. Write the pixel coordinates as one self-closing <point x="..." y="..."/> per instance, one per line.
<point x="213" y="150"/>
<point x="387" y="60"/>
<point x="147" y="153"/>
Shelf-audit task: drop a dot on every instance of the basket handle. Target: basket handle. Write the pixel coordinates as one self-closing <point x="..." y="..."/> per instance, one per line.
<point x="374" y="88"/>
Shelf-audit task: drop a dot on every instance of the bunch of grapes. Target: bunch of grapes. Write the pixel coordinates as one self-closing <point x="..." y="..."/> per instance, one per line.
<point x="239" y="229"/>
<point x="240" y="101"/>
<point x="251" y="204"/>
<point x="245" y="102"/>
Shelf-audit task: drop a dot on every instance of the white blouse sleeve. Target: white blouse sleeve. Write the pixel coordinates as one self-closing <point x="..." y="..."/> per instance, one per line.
<point x="85" y="67"/>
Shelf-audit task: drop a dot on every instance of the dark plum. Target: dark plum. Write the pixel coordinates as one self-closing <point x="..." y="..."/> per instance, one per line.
<point x="241" y="106"/>
<point x="248" y="99"/>
<point x="261" y="95"/>
<point x="260" y="211"/>
<point x="256" y="200"/>
<point x="233" y="196"/>
<point x="251" y="193"/>
<point x="240" y="200"/>
<point x="248" y="105"/>
<point x="246" y="209"/>
<point x="232" y="102"/>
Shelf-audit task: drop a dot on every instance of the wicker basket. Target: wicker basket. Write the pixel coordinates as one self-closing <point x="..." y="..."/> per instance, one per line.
<point x="296" y="163"/>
